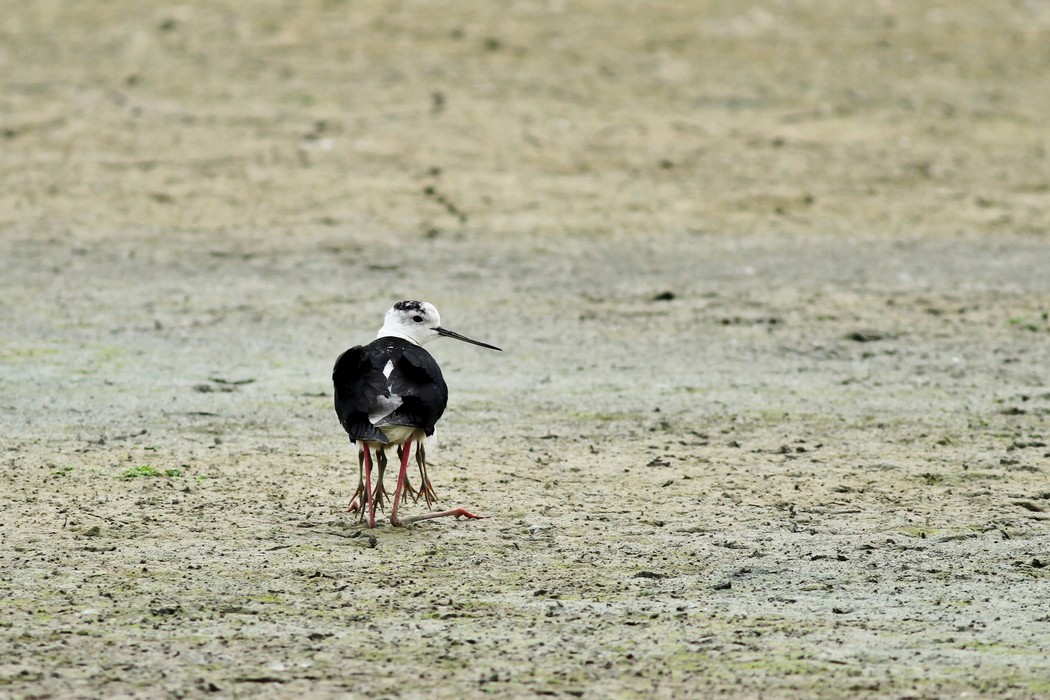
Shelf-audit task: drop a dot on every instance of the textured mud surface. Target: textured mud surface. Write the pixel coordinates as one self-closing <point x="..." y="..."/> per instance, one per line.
<point x="774" y="412"/>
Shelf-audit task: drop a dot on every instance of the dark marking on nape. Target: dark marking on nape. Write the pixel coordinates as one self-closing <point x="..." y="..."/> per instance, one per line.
<point x="409" y="306"/>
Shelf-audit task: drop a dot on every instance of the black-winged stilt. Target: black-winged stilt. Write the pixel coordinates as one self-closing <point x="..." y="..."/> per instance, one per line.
<point x="391" y="392"/>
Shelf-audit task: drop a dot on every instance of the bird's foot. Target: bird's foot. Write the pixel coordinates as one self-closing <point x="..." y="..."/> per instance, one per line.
<point x="357" y="501"/>
<point x="425" y="491"/>
<point x="430" y="495"/>
<point x="416" y="493"/>
<point x="380" y="495"/>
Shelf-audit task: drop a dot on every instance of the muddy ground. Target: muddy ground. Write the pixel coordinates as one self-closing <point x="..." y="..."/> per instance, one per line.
<point x="772" y="280"/>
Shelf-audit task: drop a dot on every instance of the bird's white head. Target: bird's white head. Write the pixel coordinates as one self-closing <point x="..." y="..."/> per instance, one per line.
<point x="418" y="322"/>
<point x="414" y="321"/>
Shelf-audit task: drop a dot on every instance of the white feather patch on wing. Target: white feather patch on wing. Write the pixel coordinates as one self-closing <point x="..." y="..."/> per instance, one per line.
<point x="388" y="368"/>
<point x="383" y="407"/>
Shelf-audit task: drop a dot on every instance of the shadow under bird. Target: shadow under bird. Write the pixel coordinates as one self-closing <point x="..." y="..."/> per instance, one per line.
<point x="391" y="393"/>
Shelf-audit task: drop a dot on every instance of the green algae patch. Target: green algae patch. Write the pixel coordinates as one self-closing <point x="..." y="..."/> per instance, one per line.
<point x="148" y="471"/>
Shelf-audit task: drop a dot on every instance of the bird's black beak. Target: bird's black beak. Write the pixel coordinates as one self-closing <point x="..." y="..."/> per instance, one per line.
<point x="452" y="334"/>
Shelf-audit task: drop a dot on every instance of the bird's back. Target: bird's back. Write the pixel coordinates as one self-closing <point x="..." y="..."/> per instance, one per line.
<point x="390" y="381"/>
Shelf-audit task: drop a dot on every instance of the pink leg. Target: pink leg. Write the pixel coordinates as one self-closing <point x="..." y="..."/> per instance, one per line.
<point x="394" y="520"/>
<point x="455" y="513"/>
<point x="405" y="449"/>
<point x="368" y="486"/>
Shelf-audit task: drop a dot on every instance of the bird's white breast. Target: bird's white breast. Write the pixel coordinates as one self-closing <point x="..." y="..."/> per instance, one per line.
<point x="397" y="434"/>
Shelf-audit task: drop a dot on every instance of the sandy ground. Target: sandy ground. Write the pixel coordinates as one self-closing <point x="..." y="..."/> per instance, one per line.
<point x="773" y="282"/>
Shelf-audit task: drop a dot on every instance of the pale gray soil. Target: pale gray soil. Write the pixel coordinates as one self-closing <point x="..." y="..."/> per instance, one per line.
<point x="773" y="283"/>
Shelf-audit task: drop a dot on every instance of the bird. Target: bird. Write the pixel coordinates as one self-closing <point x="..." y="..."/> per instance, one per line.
<point x="390" y="392"/>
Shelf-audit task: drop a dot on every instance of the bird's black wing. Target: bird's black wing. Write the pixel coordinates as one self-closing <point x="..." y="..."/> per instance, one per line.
<point x="358" y="386"/>
<point x="416" y="379"/>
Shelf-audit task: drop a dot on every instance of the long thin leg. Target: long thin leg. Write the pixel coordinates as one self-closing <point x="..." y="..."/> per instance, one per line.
<point x="405" y="449"/>
<point x="368" y="486"/>
<point x="409" y="491"/>
<point x="357" y="501"/>
<point x="380" y="494"/>
<point x="455" y="512"/>
<point x="394" y="520"/>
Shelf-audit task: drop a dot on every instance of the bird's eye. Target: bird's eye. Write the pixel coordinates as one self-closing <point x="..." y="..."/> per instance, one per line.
<point x="417" y="319"/>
